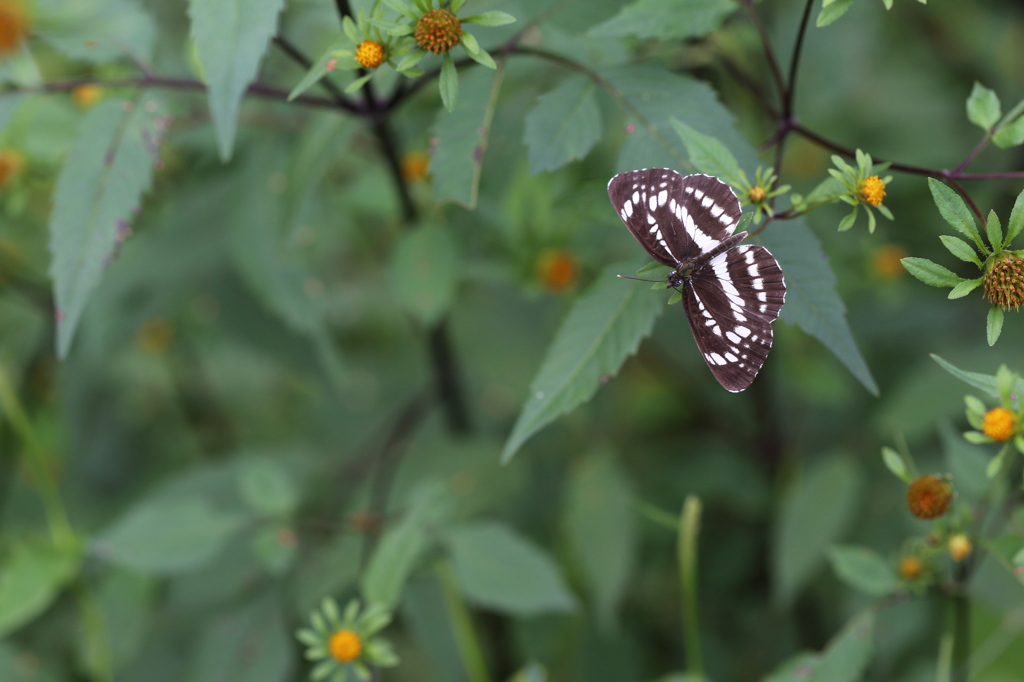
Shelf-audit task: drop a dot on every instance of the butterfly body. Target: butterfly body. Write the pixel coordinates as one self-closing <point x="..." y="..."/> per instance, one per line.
<point x="732" y="292"/>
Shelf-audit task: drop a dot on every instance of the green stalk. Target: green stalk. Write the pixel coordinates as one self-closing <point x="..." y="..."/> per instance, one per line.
<point x="465" y="636"/>
<point x="39" y="463"/>
<point x="689" y="531"/>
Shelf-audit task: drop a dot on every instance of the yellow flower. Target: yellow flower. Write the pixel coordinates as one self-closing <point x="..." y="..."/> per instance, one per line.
<point x="886" y="261"/>
<point x="872" y="190"/>
<point x="911" y="567"/>
<point x="1004" y="281"/>
<point x="959" y="547"/>
<point x="370" y="54"/>
<point x="345" y="645"/>
<point x="11" y="165"/>
<point x="84" y="96"/>
<point x="415" y="166"/>
<point x="929" y="496"/>
<point x="557" y="270"/>
<point x="438" y="31"/>
<point x="998" y="424"/>
<point x="14" y="26"/>
<point x="757" y="194"/>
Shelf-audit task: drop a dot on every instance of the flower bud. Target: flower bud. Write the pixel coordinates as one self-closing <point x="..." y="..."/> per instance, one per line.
<point x="929" y="497"/>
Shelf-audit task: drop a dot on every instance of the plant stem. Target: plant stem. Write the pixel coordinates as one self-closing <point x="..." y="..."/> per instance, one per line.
<point x="961" y="631"/>
<point x="688" y="547"/>
<point x="790" y="93"/>
<point x="465" y="635"/>
<point x="769" y="53"/>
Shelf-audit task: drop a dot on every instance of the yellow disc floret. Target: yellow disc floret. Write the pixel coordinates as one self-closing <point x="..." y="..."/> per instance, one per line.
<point x="438" y="31"/>
<point x="757" y="194"/>
<point x="415" y="166"/>
<point x="345" y="646"/>
<point x="14" y="26"/>
<point x="86" y="95"/>
<point x="872" y="190"/>
<point x="998" y="424"/>
<point x="370" y="54"/>
<point x="1004" y="281"/>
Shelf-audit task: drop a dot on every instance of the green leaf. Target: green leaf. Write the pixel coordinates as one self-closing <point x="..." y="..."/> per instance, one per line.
<point x="930" y="273"/>
<point x="604" y="327"/>
<point x="864" y="569"/>
<point x="493" y="18"/>
<point x="449" y="82"/>
<point x="472" y="48"/>
<point x="994" y="324"/>
<point x="231" y="37"/>
<point x="815" y="513"/>
<point x="844" y="660"/>
<point x="812" y="302"/>
<point x="961" y="249"/>
<point x="847" y="222"/>
<point x="168" y="536"/>
<point x="894" y="462"/>
<point x="19" y="67"/>
<point x="832" y="11"/>
<point x="982" y="382"/>
<point x="1016" y="224"/>
<point x="249" y="644"/>
<point x="98" y="192"/>
<point x="461" y="139"/>
<point x="1010" y="135"/>
<point x="425" y="272"/>
<point x="994" y="231"/>
<point x="964" y="288"/>
<point x="32" y="574"/>
<point x="953" y="209"/>
<point x="319" y="68"/>
<point x="564" y="126"/>
<point x="601" y="529"/>
<point x="499" y="569"/>
<point x="709" y="155"/>
<point x="358" y="83"/>
<point x="666" y="19"/>
<point x="1007" y="549"/>
<point x="267" y="488"/>
<point x="96" y="31"/>
<point x="983" y="108"/>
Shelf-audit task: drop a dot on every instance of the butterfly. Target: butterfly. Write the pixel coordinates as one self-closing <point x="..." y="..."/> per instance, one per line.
<point x="732" y="292"/>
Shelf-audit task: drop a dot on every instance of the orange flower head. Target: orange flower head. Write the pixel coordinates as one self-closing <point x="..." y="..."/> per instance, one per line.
<point x="415" y="166"/>
<point x="14" y="26"/>
<point x="872" y="190"/>
<point x="11" y="165"/>
<point x="757" y="194"/>
<point x="1004" y="281"/>
<point x="557" y="270"/>
<point x="84" y="96"/>
<point x="929" y="497"/>
<point x="999" y="424"/>
<point x="959" y="547"/>
<point x="911" y="567"/>
<point x="438" y="31"/>
<point x="154" y="336"/>
<point x="345" y="646"/>
<point x="370" y="54"/>
<point x="886" y="261"/>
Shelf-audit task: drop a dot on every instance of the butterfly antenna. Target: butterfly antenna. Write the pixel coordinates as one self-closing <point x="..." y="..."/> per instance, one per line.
<point x="656" y="281"/>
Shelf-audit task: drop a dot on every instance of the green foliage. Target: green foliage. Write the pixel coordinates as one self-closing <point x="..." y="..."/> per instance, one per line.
<point x="425" y="272"/>
<point x="666" y="19"/>
<point x="983" y="109"/>
<point x="863" y="569"/>
<point x="33" y="574"/>
<point x="564" y="126"/>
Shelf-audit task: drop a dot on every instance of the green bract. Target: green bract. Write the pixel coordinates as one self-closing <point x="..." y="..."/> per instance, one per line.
<point x="327" y="621"/>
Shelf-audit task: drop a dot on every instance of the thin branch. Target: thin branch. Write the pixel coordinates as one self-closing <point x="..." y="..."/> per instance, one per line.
<point x="769" y="53"/>
<point x="974" y="152"/>
<point x="850" y="153"/>
<point x="326" y="83"/>
<point x="790" y="92"/>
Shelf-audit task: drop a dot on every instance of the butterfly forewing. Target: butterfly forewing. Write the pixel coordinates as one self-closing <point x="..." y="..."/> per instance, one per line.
<point x="731" y="294"/>
<point x="731" y="303"/>
<point x="675" y="218"/>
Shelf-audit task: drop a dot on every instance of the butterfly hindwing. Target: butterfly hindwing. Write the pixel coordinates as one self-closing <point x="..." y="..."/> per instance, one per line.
<point x="731" y="303"/>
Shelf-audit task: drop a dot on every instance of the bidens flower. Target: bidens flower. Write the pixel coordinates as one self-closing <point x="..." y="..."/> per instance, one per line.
<point x="998" y="424"/>
<point x="1004" y="280"/>
<point x="872" y="190"/>
<point x="370" y="54"/>
<point x="928" y="497"/>
<point x="557" y="270"/>
<point x="911" y="567"/>
<point x="438" y="31"/>
<point x="84" y="96"/>
<point x="344" y="643"/>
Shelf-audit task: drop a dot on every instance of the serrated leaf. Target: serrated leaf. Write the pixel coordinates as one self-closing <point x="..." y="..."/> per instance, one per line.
<point x="830" y="12"/>
<point x="600" y="526"/>
<point x="666" y="19"/>
<point x="994" y="231"/>
<point x="982" y="382"/>
<point x="812" y="302"/>
<point x="499" y="569"/>
<point x="31" y="576"/>
<point x="953" y="209"/>
<point x="97" y="31"/>
<point x="425" y="272"/>
<point x="1016" y="224"/>
<point x="604" y="327"/>
<point x="894" y="462"/>
<point x="449" y="82"/>
<point x="961" y="249"/>
<point x="319" y="68"/>
<point x="994" y="324"/>
<point x="930" y="273"/>
<point x="1010" y="135"/>
<point x="709" y="155"/>
<point x="231" y="37"/>
<point x="564" y="126"/>
<point x="815" y="513"/>
<point x="98" y="192"/>
<point x="461" y="139"/>
<point x="864" y="569"/>
<point x="983" y="109"/>
<point x="964" y="288"/>
<point x="492" y="18"/>
<point x="167" y="536"/>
